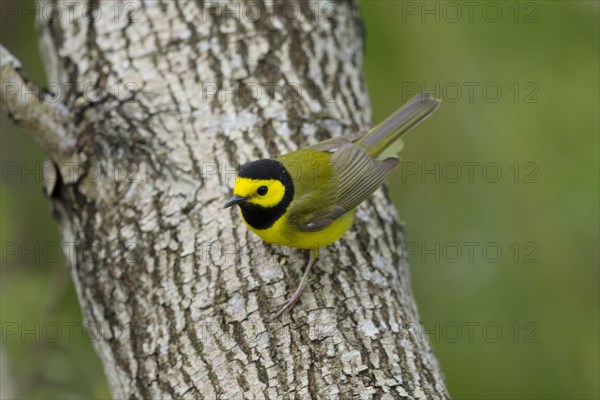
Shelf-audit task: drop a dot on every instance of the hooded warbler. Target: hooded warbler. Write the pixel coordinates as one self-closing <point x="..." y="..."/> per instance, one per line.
<point x="306" y="199"/>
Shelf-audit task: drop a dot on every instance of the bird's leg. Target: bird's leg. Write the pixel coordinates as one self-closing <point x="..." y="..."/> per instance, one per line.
<point x="289" y="304"/>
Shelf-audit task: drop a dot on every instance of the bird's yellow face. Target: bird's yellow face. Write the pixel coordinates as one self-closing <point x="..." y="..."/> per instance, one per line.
<point x="266" y="193"/>
<point x="263" y="190"/>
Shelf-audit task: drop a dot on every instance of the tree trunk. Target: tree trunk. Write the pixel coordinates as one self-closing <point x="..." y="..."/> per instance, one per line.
<point x="158" y="103"/>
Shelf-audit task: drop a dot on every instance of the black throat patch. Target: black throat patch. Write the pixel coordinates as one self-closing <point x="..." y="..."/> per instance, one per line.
<point x="260" y="217"/>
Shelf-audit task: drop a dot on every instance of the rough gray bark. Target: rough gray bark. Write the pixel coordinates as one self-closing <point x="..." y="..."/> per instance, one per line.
<point x="166" y="98"/>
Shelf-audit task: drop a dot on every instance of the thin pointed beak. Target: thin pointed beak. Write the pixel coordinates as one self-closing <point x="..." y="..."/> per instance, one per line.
<point x="235" y="199"/>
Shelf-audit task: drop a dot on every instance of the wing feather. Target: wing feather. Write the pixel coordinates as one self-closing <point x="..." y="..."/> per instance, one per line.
<point x="358" y="176"/>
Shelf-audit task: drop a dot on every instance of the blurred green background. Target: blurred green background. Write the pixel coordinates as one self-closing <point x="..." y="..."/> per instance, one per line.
<point x="499" y="193"/>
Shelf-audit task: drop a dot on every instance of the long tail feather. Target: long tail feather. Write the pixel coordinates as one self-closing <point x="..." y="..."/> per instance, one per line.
<point x="410" y="114"/>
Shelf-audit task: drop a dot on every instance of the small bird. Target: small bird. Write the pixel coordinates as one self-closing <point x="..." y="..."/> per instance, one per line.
<point x="306" y="199"/>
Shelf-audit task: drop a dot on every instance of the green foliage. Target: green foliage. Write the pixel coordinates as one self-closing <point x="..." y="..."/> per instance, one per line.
<point x="542" y="213"/>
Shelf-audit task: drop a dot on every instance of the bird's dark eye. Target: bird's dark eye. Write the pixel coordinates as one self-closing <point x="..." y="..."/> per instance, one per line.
<point x="262" y="190"/>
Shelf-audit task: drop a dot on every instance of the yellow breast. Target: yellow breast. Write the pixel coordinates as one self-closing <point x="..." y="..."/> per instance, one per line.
<point x="284" y="234"/>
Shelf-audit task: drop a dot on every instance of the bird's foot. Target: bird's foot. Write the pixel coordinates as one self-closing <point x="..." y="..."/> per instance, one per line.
<point x="291" y="302"/>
